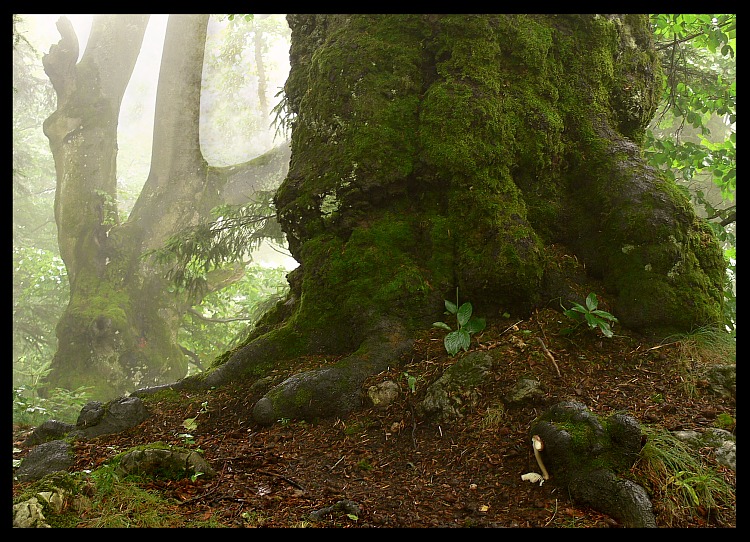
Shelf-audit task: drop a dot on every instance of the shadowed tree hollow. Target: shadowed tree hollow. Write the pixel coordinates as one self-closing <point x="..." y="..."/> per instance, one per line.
<point x="474" y="152"/>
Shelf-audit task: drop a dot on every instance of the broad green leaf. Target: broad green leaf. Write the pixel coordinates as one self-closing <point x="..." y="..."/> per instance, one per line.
<point x="591" y="301"/>
<point x="190" y="424"/>
<point x="592" y="320"/>
<point x="464" y="313"/>
<point x="605" y="314"/>
<point x="442" y="325"/>
<point x="474" y="325"/>
<point x="604" y="326"/>
<point x="457" y="340"/>
<point x="450" y="307"/>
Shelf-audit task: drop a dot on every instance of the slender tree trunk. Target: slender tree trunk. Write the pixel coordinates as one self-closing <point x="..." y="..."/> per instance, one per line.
<point x="119" y="330"/>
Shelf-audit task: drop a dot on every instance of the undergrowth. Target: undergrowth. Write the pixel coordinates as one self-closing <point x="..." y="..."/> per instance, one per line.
<point x="681" y="484"/>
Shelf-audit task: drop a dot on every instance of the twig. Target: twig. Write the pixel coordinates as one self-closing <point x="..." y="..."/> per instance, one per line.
<point x="549" y="355"/>
<point x="413" y="425"/>
<point x="553" y="515"/>
<point x="510" y="327"/>
<point x="287" y="480"/>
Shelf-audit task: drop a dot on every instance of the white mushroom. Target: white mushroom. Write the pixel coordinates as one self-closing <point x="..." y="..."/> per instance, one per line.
<point x="538" y="445"/>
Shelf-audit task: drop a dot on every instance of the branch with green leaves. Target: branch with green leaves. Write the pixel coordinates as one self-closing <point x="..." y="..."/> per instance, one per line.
<point x="234" y="233"/>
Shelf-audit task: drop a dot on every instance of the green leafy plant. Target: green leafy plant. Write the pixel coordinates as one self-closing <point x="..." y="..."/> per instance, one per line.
<point x="411" y="381"/>
<point x="590" y="315"/>
<point x="190" y="424"/>
<point x="460" y="338"/>
<point x="725" y="421"/>
<point x="680" y="480"/>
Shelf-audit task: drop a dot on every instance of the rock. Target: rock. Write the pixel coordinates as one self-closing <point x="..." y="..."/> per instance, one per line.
<point x="29" y="514"/>
<point x="119" y="414"/>
<point x="383" y="394"/>
<point x="45" y="459"/>
<point x="344" y="505"/>
<point x="263" y="411"/>
<point x="721" y="441"/>
<point x="163" y="463"/>
<point x="526" y="391"/>
<point x="49" y="430"/>
<point x="91" y="414"/>
<point x="455" y="390"/>
<point x="723" y="380"/>
<point x="585" y="455"/>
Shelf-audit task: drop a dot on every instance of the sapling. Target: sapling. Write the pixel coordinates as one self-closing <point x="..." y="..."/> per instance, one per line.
<point x="460" y="338"/>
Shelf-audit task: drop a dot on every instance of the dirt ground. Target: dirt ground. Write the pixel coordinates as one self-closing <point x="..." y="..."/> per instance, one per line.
<point x="388" y="469"/>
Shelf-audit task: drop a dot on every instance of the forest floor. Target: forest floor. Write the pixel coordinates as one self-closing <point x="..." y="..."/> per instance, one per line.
<point x="404" y="472"/>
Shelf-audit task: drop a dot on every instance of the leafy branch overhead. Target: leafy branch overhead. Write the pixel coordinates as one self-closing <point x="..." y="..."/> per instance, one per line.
<point x="230" y="237"/>
<point x="692" y="139"/>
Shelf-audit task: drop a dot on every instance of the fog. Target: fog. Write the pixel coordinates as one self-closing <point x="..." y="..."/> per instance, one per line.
<point x="223" y="143"/>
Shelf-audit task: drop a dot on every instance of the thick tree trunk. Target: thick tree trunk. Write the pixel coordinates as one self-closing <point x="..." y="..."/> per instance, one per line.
<point x="119" y="330"/>
<point x="435" y="152"/>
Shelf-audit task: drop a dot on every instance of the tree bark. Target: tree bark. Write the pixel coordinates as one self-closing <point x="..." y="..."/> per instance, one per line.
<point x="119" y="330"/>
<point x="474" y="152"/>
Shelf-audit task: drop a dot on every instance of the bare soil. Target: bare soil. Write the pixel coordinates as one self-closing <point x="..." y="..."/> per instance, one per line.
<point x="401" y="471"/>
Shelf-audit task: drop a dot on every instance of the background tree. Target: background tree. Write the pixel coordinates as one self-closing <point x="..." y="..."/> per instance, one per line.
<point x="38" y="272"/>
<point x="432" y="153"/>
<point x="120" y="328"/>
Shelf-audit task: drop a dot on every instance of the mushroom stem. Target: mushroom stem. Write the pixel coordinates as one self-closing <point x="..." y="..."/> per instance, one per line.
<point x="538" y="446"/>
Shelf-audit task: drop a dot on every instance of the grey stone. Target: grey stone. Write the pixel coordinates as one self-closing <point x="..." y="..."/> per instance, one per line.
<point x="161" y="462"/>
<point x="49" y="430"/>
<point x="455" y="390"/>
<point x="526" y="391"/>
<point x="117" y="415"/>
<point x="45" y="459"/>
<point x="383" y="394"/>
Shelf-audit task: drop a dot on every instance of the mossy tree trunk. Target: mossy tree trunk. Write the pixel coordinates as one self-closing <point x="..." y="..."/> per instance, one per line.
<point x="435" y="152"/>
<point x="119" y="330"/>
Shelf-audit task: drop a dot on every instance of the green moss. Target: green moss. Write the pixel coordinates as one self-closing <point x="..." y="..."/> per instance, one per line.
<point x="373" y="272"/>
<point x="421" y="163"/>
<point x="93" y="298"/>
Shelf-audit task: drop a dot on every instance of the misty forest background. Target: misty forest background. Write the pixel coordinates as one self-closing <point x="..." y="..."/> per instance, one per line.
<point x="692" y="138"/>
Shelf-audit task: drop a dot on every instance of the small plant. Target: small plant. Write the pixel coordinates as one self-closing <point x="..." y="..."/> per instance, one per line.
<point x="467" y="324"/>
<point x="364" y="465"/>
<point x="682" y="483"/>
<point x="590" y="315"/>
<point x="190" y="424"/>
<point x="411" y="381"/>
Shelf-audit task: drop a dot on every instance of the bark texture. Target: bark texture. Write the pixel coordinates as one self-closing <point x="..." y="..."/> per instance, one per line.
<point x="435" y="152"/>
